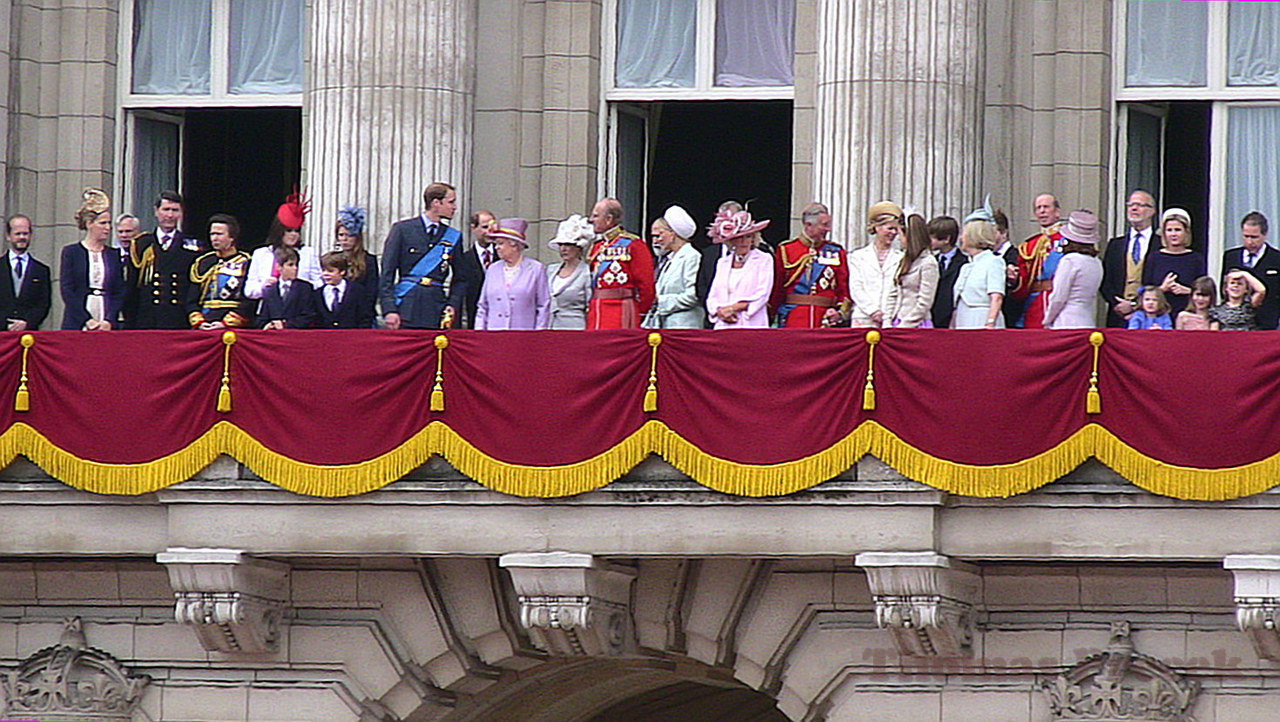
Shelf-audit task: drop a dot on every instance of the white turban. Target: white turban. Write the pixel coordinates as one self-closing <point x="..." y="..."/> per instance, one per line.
<point x="680" y="221"/>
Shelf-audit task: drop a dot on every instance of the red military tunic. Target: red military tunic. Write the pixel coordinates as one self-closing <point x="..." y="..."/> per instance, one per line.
<point x="621" y="280"/>
<point x="808" y="281"/>
<point x="1037" y="259"/>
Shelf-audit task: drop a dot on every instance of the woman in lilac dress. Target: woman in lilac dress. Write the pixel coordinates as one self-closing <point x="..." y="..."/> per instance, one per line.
<point x="515" y="295"/>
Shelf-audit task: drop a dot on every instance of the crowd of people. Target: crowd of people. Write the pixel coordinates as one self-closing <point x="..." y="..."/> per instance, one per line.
<point x="911" y="273"/>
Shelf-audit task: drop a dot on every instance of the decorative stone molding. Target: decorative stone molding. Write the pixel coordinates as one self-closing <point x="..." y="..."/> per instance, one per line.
<point x="1121" y="685"/>
<point x="573" y="605"/>
<point x="1257" y="596"/>
<point x="72" y="680"/>
<point x="925" y="599"/>
<point x="234" y="602"/>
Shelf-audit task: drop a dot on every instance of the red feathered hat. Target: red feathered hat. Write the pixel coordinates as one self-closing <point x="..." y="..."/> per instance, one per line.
<point x="293" y="213"/>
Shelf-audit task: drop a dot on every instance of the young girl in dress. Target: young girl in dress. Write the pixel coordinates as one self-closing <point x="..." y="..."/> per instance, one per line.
<point x="1153" y="311"/>
<point x="1196" y="317"/>
<point x="1242" y="293"/>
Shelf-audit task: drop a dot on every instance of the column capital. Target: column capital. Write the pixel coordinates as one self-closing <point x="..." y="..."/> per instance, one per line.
<point x="234" y="602"/>
<point x="924" y="599"/>
<point x="573" y="605"/>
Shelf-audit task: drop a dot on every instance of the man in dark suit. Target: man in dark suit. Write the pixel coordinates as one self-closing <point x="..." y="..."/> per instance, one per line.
<point x="477" y="260"/>
<point x="1125" y="257"/>
<point x="127" y="229"/>
<point x="421" y="258"/>
<point x="26" y="289"/>
<point x="288" y="303"/>
<point x="163" y="261"/>
<point x="944" y="231"/>
<point x="1260" y="259"/>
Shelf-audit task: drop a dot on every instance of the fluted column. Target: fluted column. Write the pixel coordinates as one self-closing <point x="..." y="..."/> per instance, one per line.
<point x="389" y="107"/>
<point x="6" y="14"/>
<point x="898" y="108"/>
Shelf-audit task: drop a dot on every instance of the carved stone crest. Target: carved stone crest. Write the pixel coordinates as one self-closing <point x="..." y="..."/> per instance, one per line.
<point x="1121" y="685"/>
<point x="72" y="680"/>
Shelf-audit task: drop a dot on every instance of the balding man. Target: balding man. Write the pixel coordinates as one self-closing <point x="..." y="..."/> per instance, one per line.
<point x="1126" y="256"/>
<point x="1036" y="260"/>
<point x="811" y="276"/>
<point x="621" y="271"/>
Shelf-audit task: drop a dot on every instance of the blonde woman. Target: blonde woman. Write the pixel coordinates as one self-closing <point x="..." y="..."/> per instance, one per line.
<point x="980" y="287"/>
<point x="873" y="269"/>
<point x="92" y="281"/>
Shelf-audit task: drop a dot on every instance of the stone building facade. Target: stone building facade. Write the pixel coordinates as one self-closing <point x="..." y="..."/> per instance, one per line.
<point x="870" y="597"/>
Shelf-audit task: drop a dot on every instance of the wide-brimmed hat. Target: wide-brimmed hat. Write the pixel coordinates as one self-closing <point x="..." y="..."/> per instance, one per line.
<point x="574" y="230"/>
<point x="512" y="228"/>
<point x="680" y="222"/>
<point x="293" y="212"/>
<point x="882" y="211"/>
<point x="1178" y="214"/>
<point x="729" y="225"/>
<point x="1081" y="227"/>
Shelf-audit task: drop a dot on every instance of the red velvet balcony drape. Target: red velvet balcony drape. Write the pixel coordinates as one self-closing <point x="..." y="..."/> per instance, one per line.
<point x="756" y="412"/>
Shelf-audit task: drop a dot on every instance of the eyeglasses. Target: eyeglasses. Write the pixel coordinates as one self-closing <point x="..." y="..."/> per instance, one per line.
<point x="1135" y="204"/>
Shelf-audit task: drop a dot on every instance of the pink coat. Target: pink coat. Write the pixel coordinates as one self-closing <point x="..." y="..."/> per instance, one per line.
<point x="524" y="305"/>
<point x="752" y="283"/>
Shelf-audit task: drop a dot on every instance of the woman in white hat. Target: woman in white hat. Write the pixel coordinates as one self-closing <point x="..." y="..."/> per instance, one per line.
<point x="570" y="280"/>
<point x="1175" y="268"/>
<point x="1073" y="303"/>
<point x="739" y="295"/>
<point x="676" y="305"/>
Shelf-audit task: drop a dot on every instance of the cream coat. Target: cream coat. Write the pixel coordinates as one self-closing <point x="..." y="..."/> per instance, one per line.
<point x="916" y="292"/>
<point x="872" y="285"/>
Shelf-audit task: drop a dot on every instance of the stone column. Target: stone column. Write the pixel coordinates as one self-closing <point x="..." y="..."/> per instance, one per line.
<point x="388" y="107"/>
<point x="898" y="108"/>
<point x="6" y="13"/>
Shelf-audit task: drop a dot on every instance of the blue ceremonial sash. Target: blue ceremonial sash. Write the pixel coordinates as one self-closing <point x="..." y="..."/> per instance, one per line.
<point x="428" y="264"/>
<point x="619" y="242"/>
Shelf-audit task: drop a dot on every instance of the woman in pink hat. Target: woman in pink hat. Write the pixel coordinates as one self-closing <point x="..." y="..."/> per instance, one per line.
<point x="515" y="295"/>
<point x="739" y="295"/>
<point x="286" y="231"/>
<point x="1073" y="302"/>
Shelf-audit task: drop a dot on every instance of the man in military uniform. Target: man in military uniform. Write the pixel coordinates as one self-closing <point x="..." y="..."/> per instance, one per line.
<point x="216" y="299"/>
<point x="621" y="272"/>
<point x="811" y="276"/>
<point x="420" y="260"/>
<point x="1036" y="260"/>
<point x="163" y="261"/>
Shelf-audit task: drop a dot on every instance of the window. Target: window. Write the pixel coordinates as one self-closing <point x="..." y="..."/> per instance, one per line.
<point x="1198" y="90"/>
<point x="699" y="49"/>
<point x="213" y="52"/>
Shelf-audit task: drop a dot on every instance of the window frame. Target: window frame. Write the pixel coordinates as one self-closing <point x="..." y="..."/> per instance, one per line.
<point x="704" y="87"/>
<point x="219" y="95"/>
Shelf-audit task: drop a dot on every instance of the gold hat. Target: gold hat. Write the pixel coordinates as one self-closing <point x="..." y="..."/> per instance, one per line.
<point x="881" y="212"/>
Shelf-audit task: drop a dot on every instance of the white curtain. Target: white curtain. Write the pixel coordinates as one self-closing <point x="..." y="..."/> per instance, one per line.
<point x="1253" y="154"/>
<point x="171" y="47"/>
<point x="656" y="43"/>
<point x="266" y="47"/>
<point x="1167" y="43"/>
<point x="755" y="42"/>
<point x="155" y="163"/>
<point x="1254" y="44"/>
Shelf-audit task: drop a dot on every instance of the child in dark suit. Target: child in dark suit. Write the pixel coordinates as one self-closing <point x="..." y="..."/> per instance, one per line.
<point x="340" y="304"/>
<point x="289" y="302"/>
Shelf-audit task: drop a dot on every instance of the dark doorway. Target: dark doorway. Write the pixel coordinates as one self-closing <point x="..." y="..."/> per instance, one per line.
<point x="693" y="702"/>
<point x="1186" y="164"/>
<point x="707" y="152"/>
<point x="240" y="161"/>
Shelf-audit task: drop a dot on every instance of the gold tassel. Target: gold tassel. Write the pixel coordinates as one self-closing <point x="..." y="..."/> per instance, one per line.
<point x="437" y="391"/>
<point x="869" y="392"/>
<point x="1093" y="399"/>
<point x="224" y="393"/>
<point x="22" y="401"/>
<point x="651" y="393"/>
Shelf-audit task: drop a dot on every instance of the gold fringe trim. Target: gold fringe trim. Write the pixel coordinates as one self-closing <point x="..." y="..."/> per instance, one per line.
<point x="729" y="477"/>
